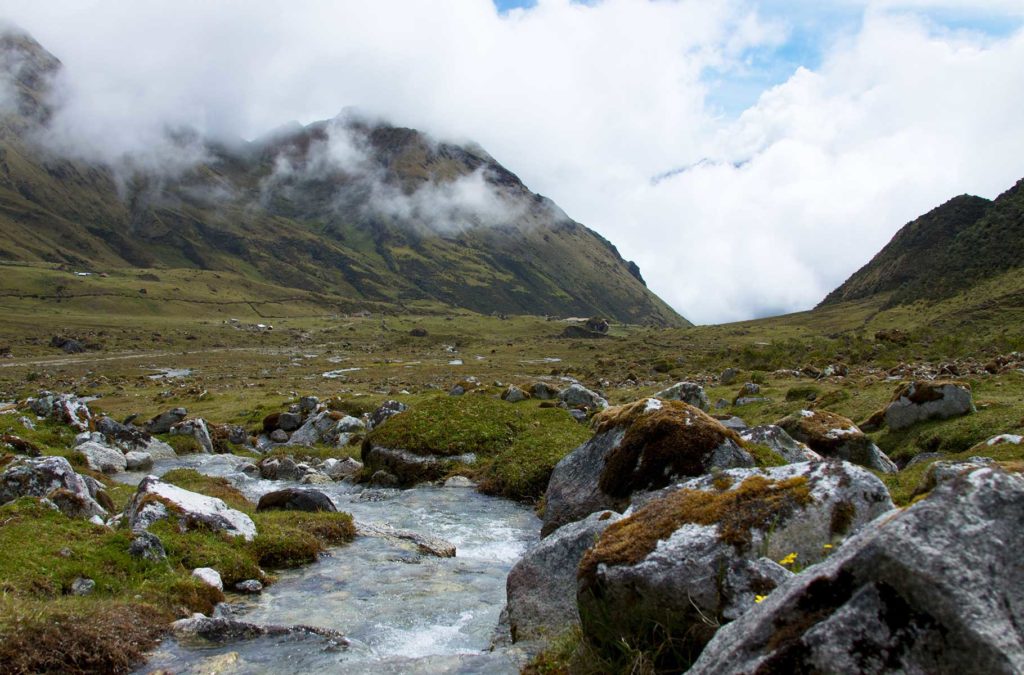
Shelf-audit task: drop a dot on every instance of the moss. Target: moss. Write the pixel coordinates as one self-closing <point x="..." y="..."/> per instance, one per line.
<point x="302" y="453"/>
<point x="183" y="445"/>
<point x="674" y="440"/>
<point x="802" y="393"/>
<point x="756" y="503"/>
<point x="925" y="391"/>
<point x="841" y="521"/>
<point x="290" y="538"/>
<point x="764" y="456"/>
<point x="815" y="430"/>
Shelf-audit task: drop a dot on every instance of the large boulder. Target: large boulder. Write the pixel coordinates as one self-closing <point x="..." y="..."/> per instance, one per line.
<point x="936" y="588"/>
<point x="155" y="500"/>
<point x="541" y="587"/>
<point x="835" y="436"/>
<point x="65" y="408"/>
<point x="702" y="553"/>
<point x="103" y="458"/>
<point x="53" y="478"/>
<point x="578" y="396"/>
<point x="923" y="400"/>
<point x="782" y="444"/>
<point x="645" y="445"/>
<point x="687" y="392"/>
<point x="295" y="499"/>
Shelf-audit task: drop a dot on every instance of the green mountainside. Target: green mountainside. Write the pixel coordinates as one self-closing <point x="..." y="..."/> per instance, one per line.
<point x="346" y="208"/>
<point x="954" y="247"/>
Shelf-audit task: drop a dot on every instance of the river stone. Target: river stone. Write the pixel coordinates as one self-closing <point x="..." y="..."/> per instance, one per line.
<point x="935" y="588"/>
<point x="923" y="400"/>
<point x="50" y="477"/>
<point x="163" y="422"/>
<point x="197" y="429"/>
<point x="425" y="544"/>
<point x="577" y="395"/>
<point x="835" y="436"/>
<point x="409" y="468"/>
<point x="340" y="469"/>
<point x="687" y="392"/>
<point x="155" y="500"/>
<point x="645" y="445"/>
<point x="103" y="458"/>
<point x="223" y="630"/>
<point x="138" y="461"/>
<point x="209" y="576"/>
<point x="459" y="482"/>
<point x="249" y="586"/>
<point x="295" y="499"/>
<point x="541" y="587"/>
<point x="782" y="444"/>
<point x="386" y="410"/>
<point x="700" y="553"/>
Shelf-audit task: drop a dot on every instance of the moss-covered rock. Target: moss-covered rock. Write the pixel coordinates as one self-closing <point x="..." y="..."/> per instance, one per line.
<point x="924" y="400"/>
<point x="835" y="436"/>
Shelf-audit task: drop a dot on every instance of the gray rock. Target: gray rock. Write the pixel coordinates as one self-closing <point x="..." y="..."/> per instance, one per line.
<point x="514" y="394"/>
<point x="386" y="410"/>
<point x="249" y="469"/>
<point x="282" y="468"/>
<point x="279" y="435"/>
<point x="424" y="544"/>
<point x="197" y="429"/>
<point x="162" y="423"/>
<point x="457" y="390"/>
<point x="308" y="404"/>
<point x="237" y="435"/>
<point x="82" y="586"/>
<point x="148" y="546"/>
<point x="542" y="391"/>
<point x="935" y="588"/>
<point x="52" y="478"/>
<point x="340" y="469"/>
<point x="27" y="423"/>
<point x="735" y="423"/>
<point x="921" y="401"/>
<point x="541" y="587"/>
<point x="837" y="437"/>
<point x="728" y="376"/>
<point x="944" y="472"/>
<point x="155" y="500"/>
<point x="578" y="415"/>
<point x="578" y="395"/>
<point x="316" y="478"/>
<point x="687" y="392"/>
<point x="459" y="482"/>
<point x="381" y="478"/>
<point x="223" y="630"/>
<point x="776" y="439"/>
<point x="410" y="468"/>
<point x="296" y="499"/>
<point x="138" y="461"/>
<point x="209" y="576"/>
<point x="690" y="575"/>
<point x="721" y="404"/>
<point x="289" y="421"/>
<point x="249" y="586"/>
<point x="102" y="457"/>
<point x="749" y="400"/>
<point x="157" y="449"/>
<point x="64" y="408"/>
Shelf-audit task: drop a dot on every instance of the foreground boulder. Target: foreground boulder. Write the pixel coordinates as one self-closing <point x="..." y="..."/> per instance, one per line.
<point x="645" y="445"/>
<point x="936" y="588"/>
<point x="155" y="500"/>
<point x="541" y="587"/>
<point x="296" y="499"/>
<point x="687" y="392"/>
<point x="921" y="401"/>
<point x="54" y="479"/>
<point x="700" y="554"/>
<point x="835" y="436"/>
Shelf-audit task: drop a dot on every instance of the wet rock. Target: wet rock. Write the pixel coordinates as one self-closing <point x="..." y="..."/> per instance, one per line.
<point x="197" y="429"/>
<point x="698" y="554"/>
<point x="50" y="477"/>
<point x="835" y="436"/>
<point x="155" y="500"/>
<point x="316" y="478"/>
<point x="209" y="576"/>
<point x="687" y="392"/>
<point x="578" y="395"/>
<point x="386" y="410"/>
<point x="148" y="546"/>
<point x="410" y="468"/>
<point x="541" y="587"/>
<point x="138" y="461"/>
<point x="328" y="427"/>
<point x="223" y="630"/>
<point x="249" y="469"/>
<point x="642" y="446"/>
<point x="543" y="391"/>
<point x="340" y="469"/>
<point x="935" y="588"/>
<point x="296" y="499"/>
<point x="82" y="586"/>
<point x="249" y="586"/>
<point x="280" y="468"/>
<point x="923" y="400"/>
<point x="459" y="482"/>
<point x="514" y="394"/>
<point x="776" y="439"/>
<point x="425" y="544"/>
<point x="102" y="457"/>
<point x="162" y="423"/>
<point x="383" y="479"/>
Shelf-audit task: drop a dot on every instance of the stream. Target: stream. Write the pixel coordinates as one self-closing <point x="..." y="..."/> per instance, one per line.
<point x="403" y="612"/>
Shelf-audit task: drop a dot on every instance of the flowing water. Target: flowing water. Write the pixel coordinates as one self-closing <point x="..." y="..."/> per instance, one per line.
<point x="404" y="612"/>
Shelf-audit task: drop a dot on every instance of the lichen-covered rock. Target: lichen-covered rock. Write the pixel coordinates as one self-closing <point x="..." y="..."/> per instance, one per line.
<point x="296" y="499"/>
<point x="53" y="478"/>
<point x="778" y="441"/>
<point x="923" y="400"/>
<point x="834" y="436"/>
<point x="645" y="445"/>
<point x="328" y="427"/>
<point x="147" y="546"/>
<point x="697" y="555"/>
<point x="935" y="588"/>
<point x="103" y="458"/>
<point x="577" y="395"/>
<point x="386" y="410"/>
<point x="687" y="392"/>
<point x="541" y="587"/>
<point x="155" y="500"/>
<point x="209" y="576"/>
<point x="945" y="471"/>
<point x="163" y="422"/>
<point x="65" y="408"/>
<point x="197" y="429"/>
<point x="138" y="461"/>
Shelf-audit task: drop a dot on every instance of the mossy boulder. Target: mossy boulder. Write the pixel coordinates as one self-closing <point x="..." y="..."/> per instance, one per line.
<point x="925" y="400"/>
<point x="156" y="500"/>
<point x="53" y="478"/>
<point x="834" y="436"/>
<point x="642" y="446"/>
<point x="698" y="555"/>
<point x="687" y="392"/>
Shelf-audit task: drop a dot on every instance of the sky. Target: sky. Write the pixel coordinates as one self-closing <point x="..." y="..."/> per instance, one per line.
<point x="749" y="155"/>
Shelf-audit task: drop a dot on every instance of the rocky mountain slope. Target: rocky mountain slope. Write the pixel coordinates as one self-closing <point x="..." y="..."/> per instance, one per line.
<point x="346" y="207"/>
<point x="965" y="241"/>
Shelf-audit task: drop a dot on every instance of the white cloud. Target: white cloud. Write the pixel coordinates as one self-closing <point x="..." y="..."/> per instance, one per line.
<point x="587" y="103"/>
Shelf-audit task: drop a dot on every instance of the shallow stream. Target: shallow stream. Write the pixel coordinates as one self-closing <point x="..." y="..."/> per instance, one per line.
<point x="404" y="612"/>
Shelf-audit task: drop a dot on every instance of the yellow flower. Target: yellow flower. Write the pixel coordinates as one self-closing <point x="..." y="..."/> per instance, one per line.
<point x="758" y="599"/>
<point x="788" y="560"/>
<point x="827" y="546"/>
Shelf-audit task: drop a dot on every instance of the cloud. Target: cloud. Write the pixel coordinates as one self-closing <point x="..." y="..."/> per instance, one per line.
<point x="896" y="113"/>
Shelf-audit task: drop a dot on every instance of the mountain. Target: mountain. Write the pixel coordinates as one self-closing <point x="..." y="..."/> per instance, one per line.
<point x="348" y="207"/>
<point x="956" y="246"/>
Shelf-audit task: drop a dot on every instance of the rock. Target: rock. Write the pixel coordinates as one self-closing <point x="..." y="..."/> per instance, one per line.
<point x="157" y="449"/>
<point x="922" y="400"/>
<point x="155" y="500"/>
<point x="49" y="477"/>
<point x="289" y="421"/>
<point x="163" y="422"/>
<point x="148" y="546"/>
<point x="721" y="404"/>
<point x="645" y="445"/>
<point x="103" y="458"/>
<point x="778" y="441"/>
<point x="409" y="468"/>
<point x="426" y="545"/>
<point x="138" y="461"/>
<point x="543" y="391"/>
<point x="249" y="586"/>
<point x="514" y="394"/>
<point x="308" y="404"/>
<point x="222" y="630"/>
<point x="209" y="576"/>
<point x="687" y="392"/>
<point x="578" y="395"/>
<point x="732" y="422"/>
<point x="578" y="415"/>
<point x="944" y="472"/>
<point x="197" y="429"/>
<point x="418" y="332"/>
<point x="316" y="478"/>
<point x="597" y="324"/>
<point x="249" y="469"/>
<point x="27" y="423"/>
<point x="237" y="435"/>
<point x="728" y="376"/>
<point x="835" y="436"/>
<point x="82" y="586"/>
<point x="457" y="390"/>
<point x="934" y="588"/>
<point x="282" y="468"/>
<point x="386" y="410"/>
<point x="279" y="436"/>
<point x="459" y="482"/>
<point x="340" y="469"/>
<point x="698" y="554"/>
<point x="1012" y="439"/>
<point x="296" y="499"/>
<point x="541" y="587"/>
<point x="64" y="408"/>
<point x="19" y="445"/>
